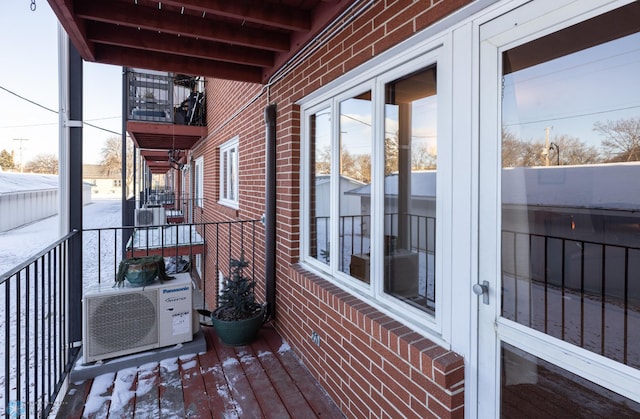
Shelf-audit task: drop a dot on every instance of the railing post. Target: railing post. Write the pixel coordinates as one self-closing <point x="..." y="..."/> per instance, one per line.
<point x="75" y="197"/>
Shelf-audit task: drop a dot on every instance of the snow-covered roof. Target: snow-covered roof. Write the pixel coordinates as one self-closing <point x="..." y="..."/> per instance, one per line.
<point x="15" y="182"/>
<point x="423" y="185"/>
<point x="603" y="186"/>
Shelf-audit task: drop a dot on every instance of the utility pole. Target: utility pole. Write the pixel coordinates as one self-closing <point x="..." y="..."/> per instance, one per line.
<point x="546" y="145"/>
<point x="20" y="148"/>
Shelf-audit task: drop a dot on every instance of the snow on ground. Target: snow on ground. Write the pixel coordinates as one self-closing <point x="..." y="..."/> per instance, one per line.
<point x="16" y="182"/>
<point x="20" y="244"/>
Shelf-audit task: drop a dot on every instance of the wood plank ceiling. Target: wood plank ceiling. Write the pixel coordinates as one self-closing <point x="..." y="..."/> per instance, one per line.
<point x="245" y="40"/>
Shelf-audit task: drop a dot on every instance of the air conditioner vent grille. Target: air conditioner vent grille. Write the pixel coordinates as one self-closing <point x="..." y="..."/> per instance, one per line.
<point x="144" y="217"/>
<point x="112" y="328"/>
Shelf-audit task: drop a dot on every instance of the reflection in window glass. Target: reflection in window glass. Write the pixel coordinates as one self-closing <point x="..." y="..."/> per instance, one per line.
<point x="320" y="185"/>
<point x="411" y="152"/>
<point x="225" y="175"/>
<point x="233" y="174"/>
<point x="532" y="387"/>
<point x="355" y="175"/>
<point x="570" y="189"/>
<point x="229" y="172"/>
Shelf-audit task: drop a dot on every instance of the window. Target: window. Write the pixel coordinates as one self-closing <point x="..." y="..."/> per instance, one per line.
<point x="198" y="179"/>
<point x="410" y="163"/>
<point x="570" y="158"/>
<point x="229" y="173"/>
<point x="369" y="189"/>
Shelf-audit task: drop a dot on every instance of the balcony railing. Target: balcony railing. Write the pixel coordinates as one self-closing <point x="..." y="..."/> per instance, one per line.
<point x="583" y="292"/>
<point x="186" y="247"/>
<point x="179" y="208"/>
<point x="157" y="97"/>
<point x="37" y="355"/>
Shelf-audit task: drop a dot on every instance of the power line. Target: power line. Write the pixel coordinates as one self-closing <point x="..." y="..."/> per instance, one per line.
<point x="570" y="116"/>
<point x="53" y="123"/>
<point x="28" y="100"/>
<point x="56" y="112"/>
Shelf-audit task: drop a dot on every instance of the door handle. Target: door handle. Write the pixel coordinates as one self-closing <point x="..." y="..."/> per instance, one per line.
<point x="482" y="289"/>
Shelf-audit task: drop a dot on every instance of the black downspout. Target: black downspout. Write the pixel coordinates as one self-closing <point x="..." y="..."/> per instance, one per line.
<point x="270" y="211"/>
<point x="124" y="207"/>
<point x="75" y="197"/>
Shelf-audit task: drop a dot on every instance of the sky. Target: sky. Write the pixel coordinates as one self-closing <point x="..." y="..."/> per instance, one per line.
<point x="570" y="94"/>
<point x="29" y="68"/>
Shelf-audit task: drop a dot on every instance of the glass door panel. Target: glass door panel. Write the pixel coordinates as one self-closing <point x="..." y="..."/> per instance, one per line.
<point x="570" y="190"/>
<point x="559" y="249"/>
<point x="532" y="387"/>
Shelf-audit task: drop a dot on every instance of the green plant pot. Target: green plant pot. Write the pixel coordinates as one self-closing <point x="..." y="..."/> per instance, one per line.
<point x="239" y="332"/>
<point x="141" y="274"/>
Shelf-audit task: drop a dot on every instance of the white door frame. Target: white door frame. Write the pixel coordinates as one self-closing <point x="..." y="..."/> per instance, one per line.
<point x="511" y="28"/>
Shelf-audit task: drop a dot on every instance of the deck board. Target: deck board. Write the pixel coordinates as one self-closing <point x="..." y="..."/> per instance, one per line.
<point x="265" y="393"/>
<point x="171" y="389"/>
<point x="74" y="401"/>
<point x="239" y="387"/>
<point x="261" y="380"/>
<point x="123" y="399"/>
<point x="290" y="395"/>
<point x="311" y="390"/>
<point x="219" y="396"/>
<point x="194" y="391"/>
<point x="147" y="392"/>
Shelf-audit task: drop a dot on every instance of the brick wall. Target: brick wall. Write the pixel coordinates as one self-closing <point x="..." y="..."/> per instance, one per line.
<point x="370" y="364"/>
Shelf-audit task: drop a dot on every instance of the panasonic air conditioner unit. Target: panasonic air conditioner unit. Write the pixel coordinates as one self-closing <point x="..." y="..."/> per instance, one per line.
<point x="150" y="216"/>
<point x="122" y="321"/>
<point x="144" y="216"/>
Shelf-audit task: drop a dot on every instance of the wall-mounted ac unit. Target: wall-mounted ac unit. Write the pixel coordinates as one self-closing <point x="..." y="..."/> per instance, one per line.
<point x="150" y="216"/>
<point x="121" y="321"/>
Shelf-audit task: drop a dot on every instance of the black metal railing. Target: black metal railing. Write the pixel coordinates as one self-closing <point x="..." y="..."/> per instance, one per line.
<point x="172" y="99"/>
<point x="37" y="355"/>
<point x="583" y="292"/>
<point x="180" y="208"/>
<point x="188" y="247"/>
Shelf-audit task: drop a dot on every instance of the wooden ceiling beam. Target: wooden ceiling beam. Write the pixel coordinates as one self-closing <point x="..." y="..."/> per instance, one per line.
<point x="285" y="17"/>
<point x="137" y="16"/>
<point x="73" y="26"/>
<point x="151" y="60"/>
<point x="122" y="36"/>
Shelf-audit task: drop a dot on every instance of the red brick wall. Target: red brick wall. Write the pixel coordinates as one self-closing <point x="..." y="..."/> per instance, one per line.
<point x="371" y="365"/>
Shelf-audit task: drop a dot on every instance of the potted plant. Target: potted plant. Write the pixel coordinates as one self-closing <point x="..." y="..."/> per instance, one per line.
<point x="141" y="271"/>
<point x="238" y="316"/>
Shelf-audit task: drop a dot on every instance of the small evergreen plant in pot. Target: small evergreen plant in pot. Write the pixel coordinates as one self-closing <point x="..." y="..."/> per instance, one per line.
<point x="238" y="316"/>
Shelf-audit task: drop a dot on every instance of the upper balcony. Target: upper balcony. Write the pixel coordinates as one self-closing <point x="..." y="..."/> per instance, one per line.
<point x="165" y="111"/>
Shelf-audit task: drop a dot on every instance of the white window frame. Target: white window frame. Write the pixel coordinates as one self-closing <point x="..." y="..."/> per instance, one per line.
<point x="434" y="51"/>
<point x="230" y="151"/>
<point x="198" y="182"/>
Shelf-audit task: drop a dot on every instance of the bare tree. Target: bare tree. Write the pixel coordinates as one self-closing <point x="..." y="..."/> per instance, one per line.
<point x="574" y="151"/>
<point x="391" y="147"/>
<point x="622" y="139"/>
<point x="323" y="161"/>
<point x="46" y="163"/>
<point x="362" y="163"/>
<point x="567" y="151"/>
<point x="422" y="158"/>
<point x="112" y="158"/>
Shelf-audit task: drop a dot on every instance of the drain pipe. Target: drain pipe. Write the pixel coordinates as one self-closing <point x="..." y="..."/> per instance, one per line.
<point x="269" y="218"/>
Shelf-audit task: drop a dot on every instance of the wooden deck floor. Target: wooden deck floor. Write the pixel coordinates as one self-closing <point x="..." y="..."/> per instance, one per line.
<point x="261" y="380"/>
